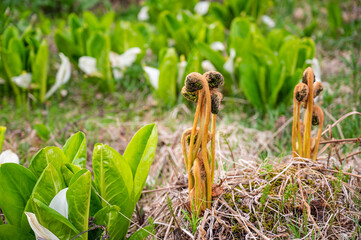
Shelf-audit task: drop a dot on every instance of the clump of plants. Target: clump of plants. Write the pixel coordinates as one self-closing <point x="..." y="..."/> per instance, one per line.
<point x="303" y="144"/>
<point x="57" y="197"/>
<point x="199" y="160"/>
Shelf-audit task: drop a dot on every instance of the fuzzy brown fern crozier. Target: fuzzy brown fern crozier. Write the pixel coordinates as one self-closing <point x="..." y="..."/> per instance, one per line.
<point x="199" y="161"/>
<point x="303" y="145"/>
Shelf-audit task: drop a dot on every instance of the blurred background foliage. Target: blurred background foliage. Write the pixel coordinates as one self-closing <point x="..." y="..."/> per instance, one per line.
<point x="147" y="48"/>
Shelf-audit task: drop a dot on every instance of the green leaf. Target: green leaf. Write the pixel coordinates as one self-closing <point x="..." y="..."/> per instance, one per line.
<point x="10" y="33"/>
<point x="68" y="170"/>
<point x="10" y="232"/>
<point x="45" y="156"/>
<point x="66" y="46"/>
<point x="2" y="136"/>
<point x="142" y="233"/>
<point x="117" y="224"/>
<point x="53" y="221"/>
<point x="96" y="45"/>
<point x="248" y="79"/>
<point x="215" y="32"/>
<point x="139" y="154"/>
<point x="168" y="73"/>
<point x="78" y="198"/>
<point x="16" y="185"/>
<point x="40" y="68"/>
<point x="11" y="63"/>
<point x="112" y="178"/>
<point x="17" y="47"/>
<point x="49" y="184"/>
<point x="75" y="149"/>
<point x="42" y="131"/>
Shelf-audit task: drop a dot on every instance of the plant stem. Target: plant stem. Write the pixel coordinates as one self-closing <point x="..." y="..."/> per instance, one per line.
<point x="308" y="115"/>
<point x="190" y="159"/>
<point x="213" y="146"/>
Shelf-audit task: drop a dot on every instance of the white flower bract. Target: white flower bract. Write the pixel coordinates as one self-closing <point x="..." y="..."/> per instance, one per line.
<point x="9" y="156"/>
<point x="208" y="66"/>
<point x="88" y="65"/>
<point x="40" y="231"/>
<point x="202" y="7"/>
<point x="153" y="74"/>
<point x="62" y="76"/>
<point x="60" y="204"/>
<point x="22" y="80"/>
<point x="143" y="14"/>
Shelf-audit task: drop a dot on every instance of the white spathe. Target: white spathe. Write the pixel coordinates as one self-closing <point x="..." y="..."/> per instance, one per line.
<point x="60" y="204"/>
<point x="62" y="76"/>
<point x="153" y="74"/>
<point x="88" y="65"/>
<point x="208" y="66"/>
<point x="268" y="21"/>
<point x="202" y="7"/>
<point x="217" y="46"/>
<point x="143" y="14"/>
<point x="22" y="80"/>
<point x="40" y="231"/>
<point x="315" y="64"/>
<point x="9" y="156"/>
<point x="229" y="65"/>
<point x="2" y="81"/>
<point x="120" y="62"/>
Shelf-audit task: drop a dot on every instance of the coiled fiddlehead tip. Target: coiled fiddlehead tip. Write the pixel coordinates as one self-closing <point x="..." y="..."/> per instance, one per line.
<point x="318" y="88"/>
<point x="215" y="79"/>
<point x="301" y="92"/>
<point x="190" y="96"/>
<point x="193" y="82"/>
<point x="216" y="99"/>
<point x="317" y="115"/>
<point x="305" y="75"/>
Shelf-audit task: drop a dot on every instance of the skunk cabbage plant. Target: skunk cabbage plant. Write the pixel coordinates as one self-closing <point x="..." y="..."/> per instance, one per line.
<point x="56" y="196"/>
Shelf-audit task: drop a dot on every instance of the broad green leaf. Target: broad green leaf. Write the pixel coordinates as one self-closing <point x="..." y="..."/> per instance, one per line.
<point x="277" y="79"/>
<point x="96" y="45"/>
<point x="168" y="73"/>
<point x="16" y="185"/>
<point x="112" y="176"/>
<point x="54" y="221"/>
<point x="75" y="149"/>
<point x="11" y="63"/>
<point x="49" y="184"/>
<point x="142" y="233"/>
<point x="78" y="198"/>
<point x="215" y="32"/>
<point x="139" y="154"/>
<point x="248" y="82"/>
<point x="117" y="224"/>
<point x="45" y="156"/>
<point x="90" y="20"/>
<point x="40" y="68"/>
<point x="11" y="232"/>
<point x="2" y="136"/>
<point x="10" y="33"/>
<point x="289" y="54"/>
<point x="66" y="46"/>
<point x="68" y="170"/>
<point x="17" y="47"/>
<point x="275" y="38"/>
<point x="107" y="20"/>
<point x="74" y="25"/>
<point x="42" y="131"/>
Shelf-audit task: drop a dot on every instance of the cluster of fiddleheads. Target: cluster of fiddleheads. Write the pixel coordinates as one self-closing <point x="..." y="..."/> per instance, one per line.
<point x="199" y="161"/>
